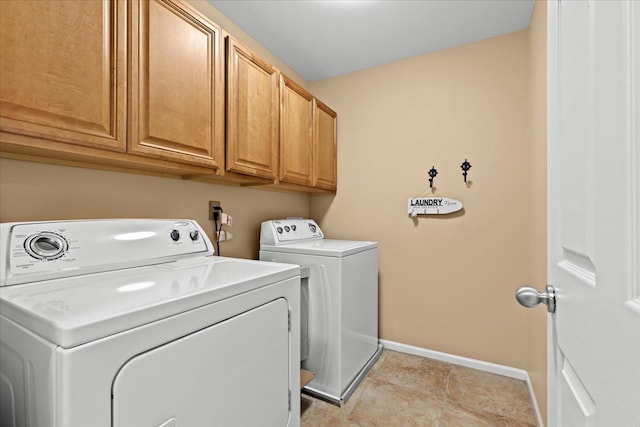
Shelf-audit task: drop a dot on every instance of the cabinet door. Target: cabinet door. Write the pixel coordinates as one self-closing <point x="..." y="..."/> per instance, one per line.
<point x="62" y="71"/>
<point x="252" y="113"/>
<point x="177" y="91"/>
<point x="325" y="149"/>
<point x="296" y="133"/>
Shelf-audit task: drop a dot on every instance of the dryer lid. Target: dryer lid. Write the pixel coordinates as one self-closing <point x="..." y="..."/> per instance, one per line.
<point x="77" y="310"/>
<point x="325" y="247"/>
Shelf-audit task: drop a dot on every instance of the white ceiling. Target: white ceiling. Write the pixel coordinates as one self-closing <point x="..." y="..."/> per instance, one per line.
<point x="327" y="38"/>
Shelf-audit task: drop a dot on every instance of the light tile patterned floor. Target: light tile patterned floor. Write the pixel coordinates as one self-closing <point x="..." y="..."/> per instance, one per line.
<point x="404" y="390"/>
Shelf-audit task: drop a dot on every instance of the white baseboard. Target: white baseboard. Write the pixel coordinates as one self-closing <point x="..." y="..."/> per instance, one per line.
<point x="480" y="365"/>
<point x="535" y="402"/>
<point x="494" y="368"/>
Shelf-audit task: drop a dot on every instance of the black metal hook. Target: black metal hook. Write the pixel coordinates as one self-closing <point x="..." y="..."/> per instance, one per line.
<point x="432" y="173"/>
<point x="465" y="167"/>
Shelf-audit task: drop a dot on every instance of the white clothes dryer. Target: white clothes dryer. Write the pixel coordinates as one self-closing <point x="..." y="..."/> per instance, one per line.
<point x="342" y="302"/>
<point x="129" y="323"/>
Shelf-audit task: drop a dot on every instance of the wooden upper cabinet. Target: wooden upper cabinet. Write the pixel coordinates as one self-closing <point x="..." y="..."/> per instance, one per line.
<point x="252" y="113"/>
<point x="146" y="80"/>
<point x="177" y="84"/>
<point x="325" y="147"/>
<point x="296" y="133"/>
<point x="63" y="71"/>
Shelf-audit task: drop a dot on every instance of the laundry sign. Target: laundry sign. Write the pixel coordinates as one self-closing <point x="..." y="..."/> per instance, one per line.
<point x="433" y="206"/>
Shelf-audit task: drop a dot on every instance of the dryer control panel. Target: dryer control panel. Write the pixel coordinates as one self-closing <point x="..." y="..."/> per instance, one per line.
<point x="34" y="251"/>
<point x="283" y="231"/>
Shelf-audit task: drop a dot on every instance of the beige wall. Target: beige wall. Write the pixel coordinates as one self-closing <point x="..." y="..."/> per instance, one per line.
<point x="446" y="283"/>
<point x="32" y="191"/>
<point x="537" y="319"/>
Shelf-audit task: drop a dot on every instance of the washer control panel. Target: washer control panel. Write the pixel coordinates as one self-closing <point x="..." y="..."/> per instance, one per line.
<point x="46" y="250"/>
<point x="288" y="231"/>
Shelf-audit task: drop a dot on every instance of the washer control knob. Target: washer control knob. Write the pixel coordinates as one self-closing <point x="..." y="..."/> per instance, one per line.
<point x="175" y="235"/>
<point x="312" y="228"/>
<point x="194" y="235"/>
<point x="279" y="230"/>
<point x="46" y="246"/>
<point x="287" y="228"/>
<point x="293" y="227"/>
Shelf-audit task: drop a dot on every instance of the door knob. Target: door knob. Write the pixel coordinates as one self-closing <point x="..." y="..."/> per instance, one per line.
<point x="530" y="297"/>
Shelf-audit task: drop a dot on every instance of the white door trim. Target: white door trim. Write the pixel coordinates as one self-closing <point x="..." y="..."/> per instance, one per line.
<point x="552" y="128"/>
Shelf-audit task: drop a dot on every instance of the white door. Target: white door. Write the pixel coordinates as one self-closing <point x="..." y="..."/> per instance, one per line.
<point x="594" y="210"/>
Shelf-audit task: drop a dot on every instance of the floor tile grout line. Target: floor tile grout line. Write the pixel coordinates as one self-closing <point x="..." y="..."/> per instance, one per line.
<point x="444" y="396"/>
<point x="364" y="384"/>
<point x="510" y="416"/>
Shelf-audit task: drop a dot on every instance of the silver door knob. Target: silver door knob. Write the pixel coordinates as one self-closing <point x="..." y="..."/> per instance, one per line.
<point x="530" y="297"/>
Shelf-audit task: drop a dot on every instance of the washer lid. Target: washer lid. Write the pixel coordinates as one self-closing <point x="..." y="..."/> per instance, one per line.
<point x="77" y="310"/>
<point x="325" y="247"/>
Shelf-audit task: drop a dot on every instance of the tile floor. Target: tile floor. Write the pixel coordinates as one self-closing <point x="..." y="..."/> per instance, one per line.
<point x="405" y="390"/>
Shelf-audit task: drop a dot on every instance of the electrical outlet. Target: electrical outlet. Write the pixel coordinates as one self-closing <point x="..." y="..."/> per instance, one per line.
<point x="223" y="235"/>
<point x="212" y="204"/>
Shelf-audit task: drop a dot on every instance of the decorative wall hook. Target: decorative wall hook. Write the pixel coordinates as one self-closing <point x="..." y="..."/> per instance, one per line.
<point x="465" y="167"/>
<point x="432" y="173"/>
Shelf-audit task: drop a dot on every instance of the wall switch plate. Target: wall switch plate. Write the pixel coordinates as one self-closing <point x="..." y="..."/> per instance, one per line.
<point x="212" y="204"/>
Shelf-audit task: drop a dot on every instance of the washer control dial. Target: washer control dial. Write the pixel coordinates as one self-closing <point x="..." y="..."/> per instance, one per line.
<point x="46" y="246"/>
<point x="175" y="235"/>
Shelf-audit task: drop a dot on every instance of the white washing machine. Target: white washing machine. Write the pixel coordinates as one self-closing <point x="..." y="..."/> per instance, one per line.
<point x="130" y="323"/>
<point x="342" y="302"/>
